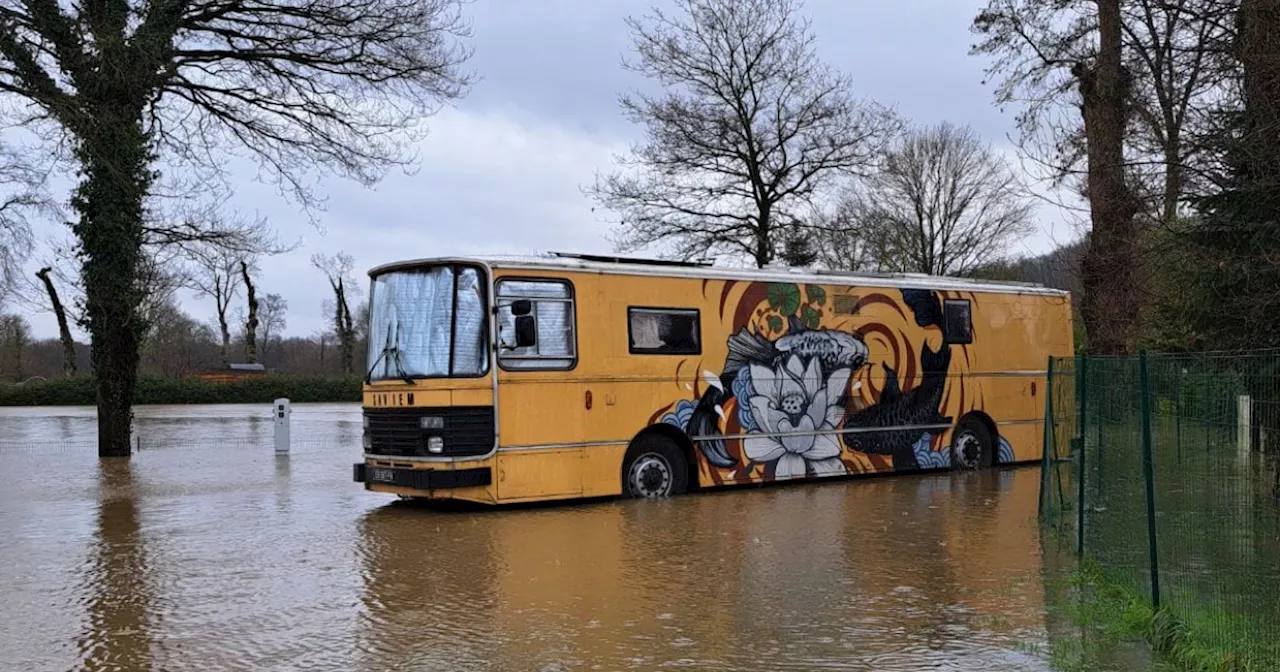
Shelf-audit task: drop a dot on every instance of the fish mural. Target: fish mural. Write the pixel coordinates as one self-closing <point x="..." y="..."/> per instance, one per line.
<point x="789" y="400"/>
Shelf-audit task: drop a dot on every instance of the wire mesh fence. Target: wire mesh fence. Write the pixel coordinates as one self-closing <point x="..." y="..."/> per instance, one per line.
<point x="1161" y="471"/>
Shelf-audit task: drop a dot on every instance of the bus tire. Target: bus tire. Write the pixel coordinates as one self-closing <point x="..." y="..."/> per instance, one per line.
<point x="972" y="446"/>
<point x="653" y="468"/>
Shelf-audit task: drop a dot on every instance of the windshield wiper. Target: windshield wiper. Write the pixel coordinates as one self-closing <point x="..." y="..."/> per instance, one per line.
<point x="394" y="351"/>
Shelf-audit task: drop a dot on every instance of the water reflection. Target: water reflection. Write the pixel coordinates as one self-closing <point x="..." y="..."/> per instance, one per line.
<point x="119" y="630"/>
<point x="888" y="574"/>
<point x="214" y="553"/>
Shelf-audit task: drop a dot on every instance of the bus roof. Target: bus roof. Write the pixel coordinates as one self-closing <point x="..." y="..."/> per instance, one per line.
<point x="615" y="265"/>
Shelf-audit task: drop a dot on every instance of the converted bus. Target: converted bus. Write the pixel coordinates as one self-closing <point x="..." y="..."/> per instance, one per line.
<point x="502" y="380"/>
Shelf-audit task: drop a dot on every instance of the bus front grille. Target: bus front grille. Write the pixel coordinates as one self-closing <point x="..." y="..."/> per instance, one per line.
<point x="464" y="431"/>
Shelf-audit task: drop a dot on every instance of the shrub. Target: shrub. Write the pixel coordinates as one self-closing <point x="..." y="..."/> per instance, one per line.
<point x="158" y="390"/>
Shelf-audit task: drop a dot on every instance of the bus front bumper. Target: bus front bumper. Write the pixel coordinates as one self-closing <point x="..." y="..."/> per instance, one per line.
<point x="422" y="479"/>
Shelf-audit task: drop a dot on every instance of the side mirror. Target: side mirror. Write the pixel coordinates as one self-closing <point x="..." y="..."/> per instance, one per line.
<point x="526" y="331"/>
<point x="521" y="307"/>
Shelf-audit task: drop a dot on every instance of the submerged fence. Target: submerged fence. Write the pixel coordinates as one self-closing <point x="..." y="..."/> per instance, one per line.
<point x="1160" y="470"/>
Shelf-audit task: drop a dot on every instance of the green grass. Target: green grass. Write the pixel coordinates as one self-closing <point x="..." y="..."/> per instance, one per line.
<point x="158" y="390"/>
<point x="1110" y="612"/>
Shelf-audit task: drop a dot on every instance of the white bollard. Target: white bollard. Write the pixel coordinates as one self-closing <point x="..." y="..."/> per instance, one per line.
<point x="282" y="412"/>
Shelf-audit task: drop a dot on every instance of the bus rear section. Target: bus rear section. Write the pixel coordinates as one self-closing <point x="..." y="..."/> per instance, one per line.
<point x="430" y="426"/>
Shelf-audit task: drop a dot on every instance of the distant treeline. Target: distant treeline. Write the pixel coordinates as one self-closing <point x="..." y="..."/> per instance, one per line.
<point x="80" y="391"/>
<point x="176" y="346"/>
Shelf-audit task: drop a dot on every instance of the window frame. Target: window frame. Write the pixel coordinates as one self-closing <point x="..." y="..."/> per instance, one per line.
<point x="571" y="301"/>
<point x="486" y="308"/>
<point x="946" y="321"/>
<point x="697" y="317"/>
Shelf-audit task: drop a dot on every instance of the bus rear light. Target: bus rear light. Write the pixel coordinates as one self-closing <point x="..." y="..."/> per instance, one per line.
<point x="435" y="444"/>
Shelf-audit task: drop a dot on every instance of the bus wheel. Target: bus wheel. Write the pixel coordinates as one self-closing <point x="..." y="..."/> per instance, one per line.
<point x="654" y="467"/>
<point x="972" y="446"/>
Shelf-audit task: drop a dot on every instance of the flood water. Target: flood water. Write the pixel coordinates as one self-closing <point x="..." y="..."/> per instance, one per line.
<point x="206" y="551"/>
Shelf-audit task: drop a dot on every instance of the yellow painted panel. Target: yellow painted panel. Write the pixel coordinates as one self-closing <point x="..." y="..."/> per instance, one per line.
<point x="602" y="471"/>
<point x="430" y="392"/>
<point x="473" y="397"/>
<point x="541" y="411"/>
<point x="404" y="395"/>
<point x="539" y="473"/>
<point x="1027" y="440"/>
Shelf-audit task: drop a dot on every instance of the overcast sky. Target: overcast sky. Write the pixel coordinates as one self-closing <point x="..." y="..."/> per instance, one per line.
<point x="502" y="169"/>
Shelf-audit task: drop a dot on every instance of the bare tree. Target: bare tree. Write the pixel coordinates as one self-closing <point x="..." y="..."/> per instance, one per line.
<point x="271" y="320"/>
<point x="1111" y="302"/>
<point x="64" y="329"/>
<point x="251" y="320"/>
<point x="176" y="343"/>
<point x="216" y="253"/>
<point x="217" y="276"/>
<point x="750" y="129"/>
<point x="23" y="199"/>
<point x="337" y="270"/>
<point x="945" y="203"/>
<point x="1109" y="84"/>
<point x="305" y="86"/>
<point x="15" y="336"/>
<point x="1179" y="71"/>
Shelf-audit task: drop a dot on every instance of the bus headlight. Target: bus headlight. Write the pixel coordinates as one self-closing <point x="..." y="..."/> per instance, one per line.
<point x="368" y="441"/>
<point x="435" y="444"/>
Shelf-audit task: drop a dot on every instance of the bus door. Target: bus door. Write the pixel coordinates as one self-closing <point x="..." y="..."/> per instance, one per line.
<point x="540" y="399"/>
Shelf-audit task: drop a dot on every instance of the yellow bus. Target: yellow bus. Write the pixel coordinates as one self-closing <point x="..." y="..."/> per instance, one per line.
<point x="518" y="379"/>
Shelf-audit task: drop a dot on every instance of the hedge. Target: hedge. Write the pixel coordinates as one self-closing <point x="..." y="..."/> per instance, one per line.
<point x="159" y="390"/>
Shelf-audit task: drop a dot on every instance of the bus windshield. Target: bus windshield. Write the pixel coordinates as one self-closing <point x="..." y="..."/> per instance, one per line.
<point x="427" y="322"/>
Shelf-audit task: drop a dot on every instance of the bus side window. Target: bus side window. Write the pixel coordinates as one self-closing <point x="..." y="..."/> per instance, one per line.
<point x="664" y="331"/>
<point x="957" y="322"/>
<point x="542" y="309"/>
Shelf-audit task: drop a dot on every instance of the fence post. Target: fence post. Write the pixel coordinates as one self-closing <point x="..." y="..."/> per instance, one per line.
<point x="1082" y="380"/>
<point x="1103" y="406"/>
<point x="1149" y="476"/>
<point x="1177" y="414"/>
<point x="1244" y="425"/>
<point x="1048" y="420"/>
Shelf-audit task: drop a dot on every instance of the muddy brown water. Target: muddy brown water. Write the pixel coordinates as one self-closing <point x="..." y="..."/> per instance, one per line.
<point x="206" y="551"/>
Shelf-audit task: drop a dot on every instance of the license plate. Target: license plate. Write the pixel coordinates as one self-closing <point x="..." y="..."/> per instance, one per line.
<point x="382" y="475"/>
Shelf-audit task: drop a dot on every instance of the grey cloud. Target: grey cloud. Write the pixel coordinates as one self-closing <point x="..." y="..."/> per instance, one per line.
<point x="501" y="170"/>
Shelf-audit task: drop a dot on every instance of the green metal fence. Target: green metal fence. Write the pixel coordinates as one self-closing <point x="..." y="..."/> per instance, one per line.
<point x="1161" y="471"/>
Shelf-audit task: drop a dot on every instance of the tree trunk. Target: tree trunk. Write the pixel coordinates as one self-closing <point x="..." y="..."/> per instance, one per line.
<point x="110" y="198"/>
<point x="222" y="326"/>
<point x="1110" y="300"/>
<point x="1172" y="179"/>
<point x="251" y="323"/>
<point x="764" y="238"/>
<point x="64" y="331"/>
<point x="346" y="332"/>
<point x="1258" y="50"/>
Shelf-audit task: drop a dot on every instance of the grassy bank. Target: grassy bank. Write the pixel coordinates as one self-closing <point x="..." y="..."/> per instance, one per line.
<point x="157" y="390"/>
<point x="1112" y="612"/>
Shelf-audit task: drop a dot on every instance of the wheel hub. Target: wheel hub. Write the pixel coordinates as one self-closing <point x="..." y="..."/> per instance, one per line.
<point x="968" y="451"/>
<point x="651" y="476"/>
